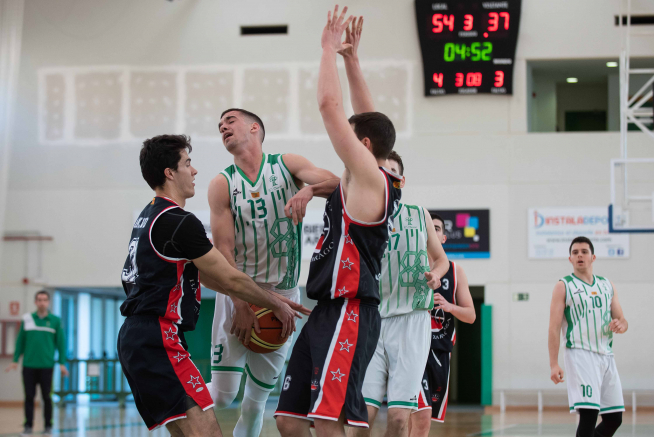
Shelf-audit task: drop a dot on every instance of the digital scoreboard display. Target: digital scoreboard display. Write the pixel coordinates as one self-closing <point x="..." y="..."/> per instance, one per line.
<point x="468" y="46"/>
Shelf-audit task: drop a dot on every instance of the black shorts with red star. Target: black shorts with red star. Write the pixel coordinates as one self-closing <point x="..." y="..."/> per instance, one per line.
<point x="329" y="361"/>
<point x="159" y="370"/>
<point x="436" y="385"/>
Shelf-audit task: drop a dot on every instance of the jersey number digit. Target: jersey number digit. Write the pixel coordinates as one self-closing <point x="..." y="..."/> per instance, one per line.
<point x="586" y="391"/>
<point x="597" y="302"/>
<point x="425" y="385"/>
<point x="217" y="354"/>
<point x="263" y="212"/>
<point x="287" y="383"/>
<point x="445" y="284"/>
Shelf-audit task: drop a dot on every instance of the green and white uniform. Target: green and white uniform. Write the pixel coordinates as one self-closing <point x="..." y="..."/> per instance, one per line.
<point x="268" y="249"/>
<point x="398" y="364"/>
<point x="592" y="376"/>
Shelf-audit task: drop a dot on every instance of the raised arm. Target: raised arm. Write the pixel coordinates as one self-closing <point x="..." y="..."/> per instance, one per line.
<point x="359" y="93"/>
<point x="619" y="324"/>
<point x="554" y="335"/>
<point x="222" y="231"/>
<point x="319" y="183"/>
<point x="354" y="154"/>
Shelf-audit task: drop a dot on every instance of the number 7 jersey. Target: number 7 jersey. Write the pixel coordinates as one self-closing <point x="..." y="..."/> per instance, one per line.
<point x="267" y="244"/>
<point x="587" y="314"/>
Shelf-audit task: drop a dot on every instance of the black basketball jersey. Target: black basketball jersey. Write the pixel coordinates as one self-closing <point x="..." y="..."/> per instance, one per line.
<point x="347" y="260"/>
<point x="156" y="284"/>
<point x="443" y="335"/>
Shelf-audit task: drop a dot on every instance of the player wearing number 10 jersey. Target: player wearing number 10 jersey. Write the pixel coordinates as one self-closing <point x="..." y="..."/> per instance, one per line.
<point x="251" y="229"/>
<point x="585" y="308"/>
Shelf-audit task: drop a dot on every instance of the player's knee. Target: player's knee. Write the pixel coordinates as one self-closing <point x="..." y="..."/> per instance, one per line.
<point x="222" y="399"/>
<point x="612" y="421"/>
<point x="288" y="426"/>
<point x="252" y="408"/>
<point x="397" y="422"/>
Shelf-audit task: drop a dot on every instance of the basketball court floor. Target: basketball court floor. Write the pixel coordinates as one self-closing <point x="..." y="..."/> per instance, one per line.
<point x="107" y="420"/>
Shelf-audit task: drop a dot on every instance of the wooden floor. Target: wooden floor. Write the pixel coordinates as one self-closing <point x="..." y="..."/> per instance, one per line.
<point x="107" y="420"/>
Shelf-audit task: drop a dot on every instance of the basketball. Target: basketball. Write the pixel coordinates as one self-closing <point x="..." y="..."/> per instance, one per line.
<point x="270" y="338"/>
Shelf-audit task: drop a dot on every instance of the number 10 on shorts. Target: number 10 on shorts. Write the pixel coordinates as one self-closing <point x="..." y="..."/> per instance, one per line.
<point x="586" y="391"/>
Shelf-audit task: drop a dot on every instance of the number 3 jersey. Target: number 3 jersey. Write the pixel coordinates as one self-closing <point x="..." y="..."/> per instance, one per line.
<point x="267" y="244"/>
<point x="347" y="260"/>
<point x="588" y="314"/>
<point x="403" y="286"/>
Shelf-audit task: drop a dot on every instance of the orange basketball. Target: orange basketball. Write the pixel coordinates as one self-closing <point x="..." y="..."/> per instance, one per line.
<point x="270" y="338"/>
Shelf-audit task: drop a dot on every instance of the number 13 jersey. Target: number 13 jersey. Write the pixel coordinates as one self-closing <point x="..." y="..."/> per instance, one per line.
<point x="267" y="244"/>
<point x="588" y="314"/>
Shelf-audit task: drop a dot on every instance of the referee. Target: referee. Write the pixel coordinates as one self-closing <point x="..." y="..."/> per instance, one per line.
<point x="40" y="334"/>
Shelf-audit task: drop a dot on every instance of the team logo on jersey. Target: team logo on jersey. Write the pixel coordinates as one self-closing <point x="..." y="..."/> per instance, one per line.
<point x="314" y="384"/>
<point x="255" y="194"/>
<point x="577" y="291"/>
<point x="273" y="181"/>
<point x="131" y="271"/>
<point x="397" y="184"/>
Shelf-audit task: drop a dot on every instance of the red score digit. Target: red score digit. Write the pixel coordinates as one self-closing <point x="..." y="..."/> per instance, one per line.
<point x="493" y="21"/>
<point x="473" y="79"/>
<point x="505" y="15"/>
<point x="449" y="22"/>
<point x="438" y="79"/>
<point x="499" y="79"/>
<point x="467" y="22"/>
<point x="458" y="81"/>
<point x="436" y="21"/>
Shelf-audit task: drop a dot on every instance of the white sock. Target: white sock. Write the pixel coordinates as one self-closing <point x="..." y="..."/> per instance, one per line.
<point x="252" y="409"/>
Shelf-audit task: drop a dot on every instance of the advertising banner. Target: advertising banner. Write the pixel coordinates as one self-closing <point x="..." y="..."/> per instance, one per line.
<point x="552" y="229"/>
<point x="468" y="232"/>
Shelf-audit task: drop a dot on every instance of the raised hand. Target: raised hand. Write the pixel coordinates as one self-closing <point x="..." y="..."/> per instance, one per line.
<point x="332" y="34"/>
<point x="352" y="38"/>
<point x="433" y="281"/>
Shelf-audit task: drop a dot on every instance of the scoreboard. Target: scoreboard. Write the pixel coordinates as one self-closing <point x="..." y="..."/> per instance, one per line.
<point x="468" y="46"/>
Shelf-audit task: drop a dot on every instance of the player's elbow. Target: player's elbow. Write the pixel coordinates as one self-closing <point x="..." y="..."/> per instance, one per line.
<point x="328" y="104"/>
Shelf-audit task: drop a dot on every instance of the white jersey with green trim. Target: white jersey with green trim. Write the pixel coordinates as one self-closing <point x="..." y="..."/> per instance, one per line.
<point x="588" y="314"/>
<point x="267" y="244"/>
<point x="402" y="286"/>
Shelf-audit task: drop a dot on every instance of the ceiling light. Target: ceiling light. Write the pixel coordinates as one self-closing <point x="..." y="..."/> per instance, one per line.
<point x="612" y="64"/>
<point x="572" y="80"/>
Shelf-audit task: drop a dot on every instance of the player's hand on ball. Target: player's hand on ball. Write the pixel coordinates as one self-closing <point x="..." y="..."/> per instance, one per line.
<point x="332" y="34"/>
<point x="296" y="207"/>
<point x="286" y="315"/>
<point x="352" y="39"/>
<point x="441" y="304"/>
<point x="557" y="374"/>
<point x="294" y="305"/>
<point x="242" y="322"/>
<point x="433" y="281"/>
<point x="617" y="326"/>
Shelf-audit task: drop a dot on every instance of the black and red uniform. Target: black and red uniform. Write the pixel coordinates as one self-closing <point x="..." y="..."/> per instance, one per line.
<point x="163" y="301"/>
<point x="436" y="380"/>
<point x="329" y="360"/>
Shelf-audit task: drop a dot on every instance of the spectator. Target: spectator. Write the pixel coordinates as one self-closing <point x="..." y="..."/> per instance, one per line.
<point x="40" y="333"/>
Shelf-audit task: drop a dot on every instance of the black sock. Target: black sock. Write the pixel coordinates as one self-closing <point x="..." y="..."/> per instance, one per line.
<point x="587" y="421"/>
<point x="609" y="424"/>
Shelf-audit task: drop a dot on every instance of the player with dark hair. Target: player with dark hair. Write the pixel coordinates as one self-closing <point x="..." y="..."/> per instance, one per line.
<point x="586" y="310"/>
<point x="451" y="300"/>
<point x="167" y="250"/>
<point x="257" y="205"/>
<point x="329" y="360"/>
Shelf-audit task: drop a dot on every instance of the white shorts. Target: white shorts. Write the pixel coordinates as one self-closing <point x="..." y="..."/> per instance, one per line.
<point x="228" y="355"/>
<point x="593" y="381"/>
<point x="397" y="366"/>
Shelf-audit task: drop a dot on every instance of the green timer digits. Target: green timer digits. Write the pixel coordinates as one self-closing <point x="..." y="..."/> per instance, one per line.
<point x="477" y="51"/>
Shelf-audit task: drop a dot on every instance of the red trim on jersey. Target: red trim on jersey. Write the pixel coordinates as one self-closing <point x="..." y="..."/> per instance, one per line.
<point x="173" y="307"/>
<point x="337" y="373"/>
<point x="387" y="194"/>
<point x="455" y="282"/>
<point x="189" y="376"/>
<point x="289" y="413"/>
<point x="319" y="245"/>
<point x="441" y="417"/>
<point x="422" y="399"/>
<point x="358" y="423"/>
<point x="441" y="414"/>
<point x="349" y="268"/>
<point x="167" y="420"/>
<point x="168" y="199"/>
